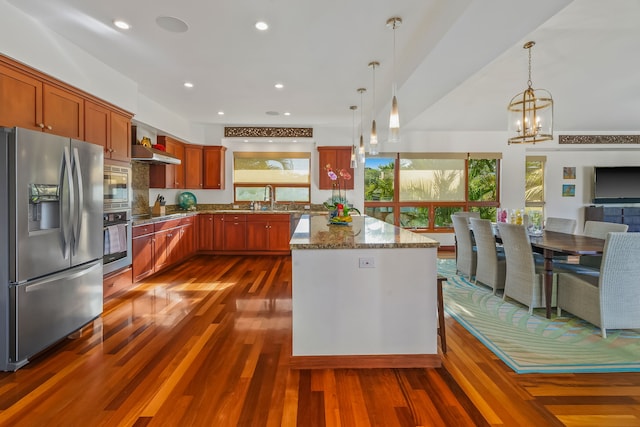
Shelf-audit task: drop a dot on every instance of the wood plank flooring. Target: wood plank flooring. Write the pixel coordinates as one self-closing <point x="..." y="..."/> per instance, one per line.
<point x="207" y="344"/>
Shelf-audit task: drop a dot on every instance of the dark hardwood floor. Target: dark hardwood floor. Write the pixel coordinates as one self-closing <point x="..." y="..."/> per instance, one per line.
<point x="207" y="344"/>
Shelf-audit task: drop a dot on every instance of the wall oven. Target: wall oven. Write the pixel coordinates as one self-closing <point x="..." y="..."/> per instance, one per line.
<point x="116" y="241"/>
<point x="116" y="219"/>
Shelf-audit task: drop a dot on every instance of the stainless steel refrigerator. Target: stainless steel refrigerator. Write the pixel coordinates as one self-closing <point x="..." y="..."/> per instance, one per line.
<point x="51" y="201"/>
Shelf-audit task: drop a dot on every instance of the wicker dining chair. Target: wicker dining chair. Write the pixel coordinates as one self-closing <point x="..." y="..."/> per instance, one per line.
<point x="599" y="230"/>
<point x="466" y="257"/>
<point x="560" y="225"/>
<point x="524" y="281"/>
<point x="611" y="299"/>
<point x="491" y="267"/>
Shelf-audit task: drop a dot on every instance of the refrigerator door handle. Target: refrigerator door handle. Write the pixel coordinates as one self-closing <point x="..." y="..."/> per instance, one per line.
<point x="77" y="221"/>
<point x="65" y="167"/>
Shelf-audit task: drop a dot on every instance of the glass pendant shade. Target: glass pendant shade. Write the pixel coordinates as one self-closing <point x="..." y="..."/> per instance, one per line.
<point x="361" y="151"/>
<point x="354" y="161"/>
<point x="530" y="113"/>
<point x="394" y="121"/>
<point x="373" y="141"/>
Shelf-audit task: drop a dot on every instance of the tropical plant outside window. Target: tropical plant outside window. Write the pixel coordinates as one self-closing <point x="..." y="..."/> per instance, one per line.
<point x="421" y="190"/>
<point x="288" y="173"/>
<point x="534" y="185"/>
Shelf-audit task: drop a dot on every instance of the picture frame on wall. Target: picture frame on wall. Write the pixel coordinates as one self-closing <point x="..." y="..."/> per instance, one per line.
<point x="569" y="172"/>
<point x="568" y="190"/>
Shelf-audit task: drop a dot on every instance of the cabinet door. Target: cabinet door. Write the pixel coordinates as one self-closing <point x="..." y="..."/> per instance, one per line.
<point x="257" y="234"/>
<point x="63" y="112"/>
<point x="218" y="232"/>
<point x="279" y="234"/>
<point x="235" y="233"/>
<point x="338" y="158"/>
<point x="213" y="164"/>
<point x="21" y="97"/>
<point x="193" y="166"/>
<point x="143" y="256"/>
<point x="205" y="232"/>
<point x="120" y="137"/>
<point x="160" y="250"/>
<point x="97" y="125"/>
<point x="177" y="149"/>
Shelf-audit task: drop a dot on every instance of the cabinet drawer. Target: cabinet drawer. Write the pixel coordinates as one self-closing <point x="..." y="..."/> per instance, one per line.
<point x="235" y="218"/>
<point x="165" y="225"/>
<point x="188" y="220"/>
<point x="141" y="230"/>
<point x="116" y="282"/>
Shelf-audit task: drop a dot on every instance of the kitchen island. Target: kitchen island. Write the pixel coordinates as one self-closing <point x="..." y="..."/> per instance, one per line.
<point x="363" y="295"/>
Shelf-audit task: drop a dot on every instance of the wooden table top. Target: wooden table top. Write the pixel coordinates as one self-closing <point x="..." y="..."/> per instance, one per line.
<point x="572" y="244"/>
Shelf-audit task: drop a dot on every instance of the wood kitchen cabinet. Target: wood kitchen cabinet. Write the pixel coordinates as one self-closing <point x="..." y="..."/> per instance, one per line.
<point x="168" y="176"/>
<point x="109" y="129"/>
<point x="229" y="232"/>
<point x="214" y="167"/>
<point x="205" y="232"/>
<point x="268" y="232"/>
<point x="193" y="177"/>
<point x="338" y="158"/>
<point x="33" y="100"/>
<point x="143" y="249"/>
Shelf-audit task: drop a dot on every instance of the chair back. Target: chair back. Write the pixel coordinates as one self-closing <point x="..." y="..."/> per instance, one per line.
<point x="467" y="214"/>
<point x="560" y="225"/>
<point x="619" y="283"/>
<point x="489" y="270"/>
<point x="600" y="229"/>
<point x="518" y="253"/>
<point x="465" y="256"/>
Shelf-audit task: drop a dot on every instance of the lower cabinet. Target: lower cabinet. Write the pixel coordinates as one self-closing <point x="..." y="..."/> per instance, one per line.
<point x="205" y="232"/>
<point x="267" y="232"/>
<point x="159" y="245"/>
<point x="117" y="281"/>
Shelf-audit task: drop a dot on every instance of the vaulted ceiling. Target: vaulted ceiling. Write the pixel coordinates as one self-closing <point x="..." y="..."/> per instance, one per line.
<point x="457" y="62"/>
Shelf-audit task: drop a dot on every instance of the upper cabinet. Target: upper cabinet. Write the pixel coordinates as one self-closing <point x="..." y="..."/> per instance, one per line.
<point x="33" y="100"/>
<point x="338" y="158"/>
<point x="109" y="129"/>
<point x="213" y="163"/>
<point x="193" y="166"/>
<point x="168" y="176"/>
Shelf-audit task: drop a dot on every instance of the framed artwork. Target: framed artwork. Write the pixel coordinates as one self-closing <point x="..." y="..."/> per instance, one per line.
<point x="569" y="172"/>
<point x="568" y="190"/>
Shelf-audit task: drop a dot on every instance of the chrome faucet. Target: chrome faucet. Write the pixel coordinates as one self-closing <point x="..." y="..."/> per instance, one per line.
<point x="269" y="195"/>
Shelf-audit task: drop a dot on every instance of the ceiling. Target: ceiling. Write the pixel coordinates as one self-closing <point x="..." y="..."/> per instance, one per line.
<point x="457" y="62"/>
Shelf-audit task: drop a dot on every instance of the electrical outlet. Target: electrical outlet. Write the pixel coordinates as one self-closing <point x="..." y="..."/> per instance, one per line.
<point x="236" y="207"/>
<point x="367" y="263"/>
<point x="307" y="207"/>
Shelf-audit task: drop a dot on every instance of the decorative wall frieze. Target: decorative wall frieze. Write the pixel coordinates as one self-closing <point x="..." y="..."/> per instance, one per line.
<point x="599" y="139"/>
<point x="267" y="132"/>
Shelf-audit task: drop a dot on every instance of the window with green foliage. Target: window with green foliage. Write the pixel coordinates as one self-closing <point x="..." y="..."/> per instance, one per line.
<point x="420" y="191"/>
<point x="288" y="174"/>
<point x="534" y="185"/>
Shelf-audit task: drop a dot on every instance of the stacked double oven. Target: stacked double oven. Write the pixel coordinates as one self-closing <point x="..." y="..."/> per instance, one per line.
<point x="116" y="218"/>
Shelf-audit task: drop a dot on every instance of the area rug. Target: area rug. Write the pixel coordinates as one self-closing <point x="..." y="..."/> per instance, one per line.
<point x="533" y="343"/>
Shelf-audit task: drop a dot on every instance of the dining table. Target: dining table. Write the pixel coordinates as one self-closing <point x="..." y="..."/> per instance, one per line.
<point x="554" y="243"/>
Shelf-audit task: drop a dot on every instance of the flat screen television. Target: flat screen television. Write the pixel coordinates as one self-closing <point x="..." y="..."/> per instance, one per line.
<point x="616" y="184"/>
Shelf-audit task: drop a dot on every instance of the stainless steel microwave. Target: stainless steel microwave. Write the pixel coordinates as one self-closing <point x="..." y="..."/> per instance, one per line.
<point x="117" y="188"/>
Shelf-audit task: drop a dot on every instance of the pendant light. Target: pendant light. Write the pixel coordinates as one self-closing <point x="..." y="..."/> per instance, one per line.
<point x="361" y="149"/>
<point x="530" y="113"/>
<point x="354" y="161"/>
<point x="394" y="116"/>
<point x="373" y="140"/>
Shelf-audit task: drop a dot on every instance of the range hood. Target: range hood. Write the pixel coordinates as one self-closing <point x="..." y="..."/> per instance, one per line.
<point x="140" y="153"/>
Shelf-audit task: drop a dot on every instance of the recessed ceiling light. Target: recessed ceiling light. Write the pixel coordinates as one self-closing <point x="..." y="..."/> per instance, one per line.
<point x="121" y="24"/>
<point x="279" y="85"/>
<point x="221" y="113"/>
<point x="188" y="84"/>
<point x="262" y="26"/>
<point x="287" y="113"/>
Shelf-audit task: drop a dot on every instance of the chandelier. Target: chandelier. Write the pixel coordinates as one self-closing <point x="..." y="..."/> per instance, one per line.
<point x="530" y="113"/>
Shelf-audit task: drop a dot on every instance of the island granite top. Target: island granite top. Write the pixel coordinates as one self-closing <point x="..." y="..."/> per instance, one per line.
<point x="364" y="232"/>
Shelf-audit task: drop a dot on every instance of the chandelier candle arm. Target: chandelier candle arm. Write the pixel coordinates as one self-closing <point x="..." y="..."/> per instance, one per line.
<point x="394" y="115"/>
<point x="530" y="113"/>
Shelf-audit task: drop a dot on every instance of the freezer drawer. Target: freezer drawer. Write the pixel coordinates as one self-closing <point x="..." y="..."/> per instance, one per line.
<point x="49" y="309"/>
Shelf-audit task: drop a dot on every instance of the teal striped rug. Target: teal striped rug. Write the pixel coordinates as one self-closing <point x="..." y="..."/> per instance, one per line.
<point x="530" y="344"/>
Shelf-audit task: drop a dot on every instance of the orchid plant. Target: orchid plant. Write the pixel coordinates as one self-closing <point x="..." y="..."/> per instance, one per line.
<point x="338" y="177"/>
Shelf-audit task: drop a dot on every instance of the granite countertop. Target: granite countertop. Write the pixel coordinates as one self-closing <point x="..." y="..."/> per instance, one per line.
<point x="146" y="219"/>
<point x="314" y="232"/>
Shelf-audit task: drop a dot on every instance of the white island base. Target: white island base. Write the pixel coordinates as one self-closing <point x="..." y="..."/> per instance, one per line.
<point x="364" y="308"/>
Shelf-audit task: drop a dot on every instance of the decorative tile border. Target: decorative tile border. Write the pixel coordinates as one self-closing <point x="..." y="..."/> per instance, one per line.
<point x="599" y="139"/>
<point x="267" y="132"/>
